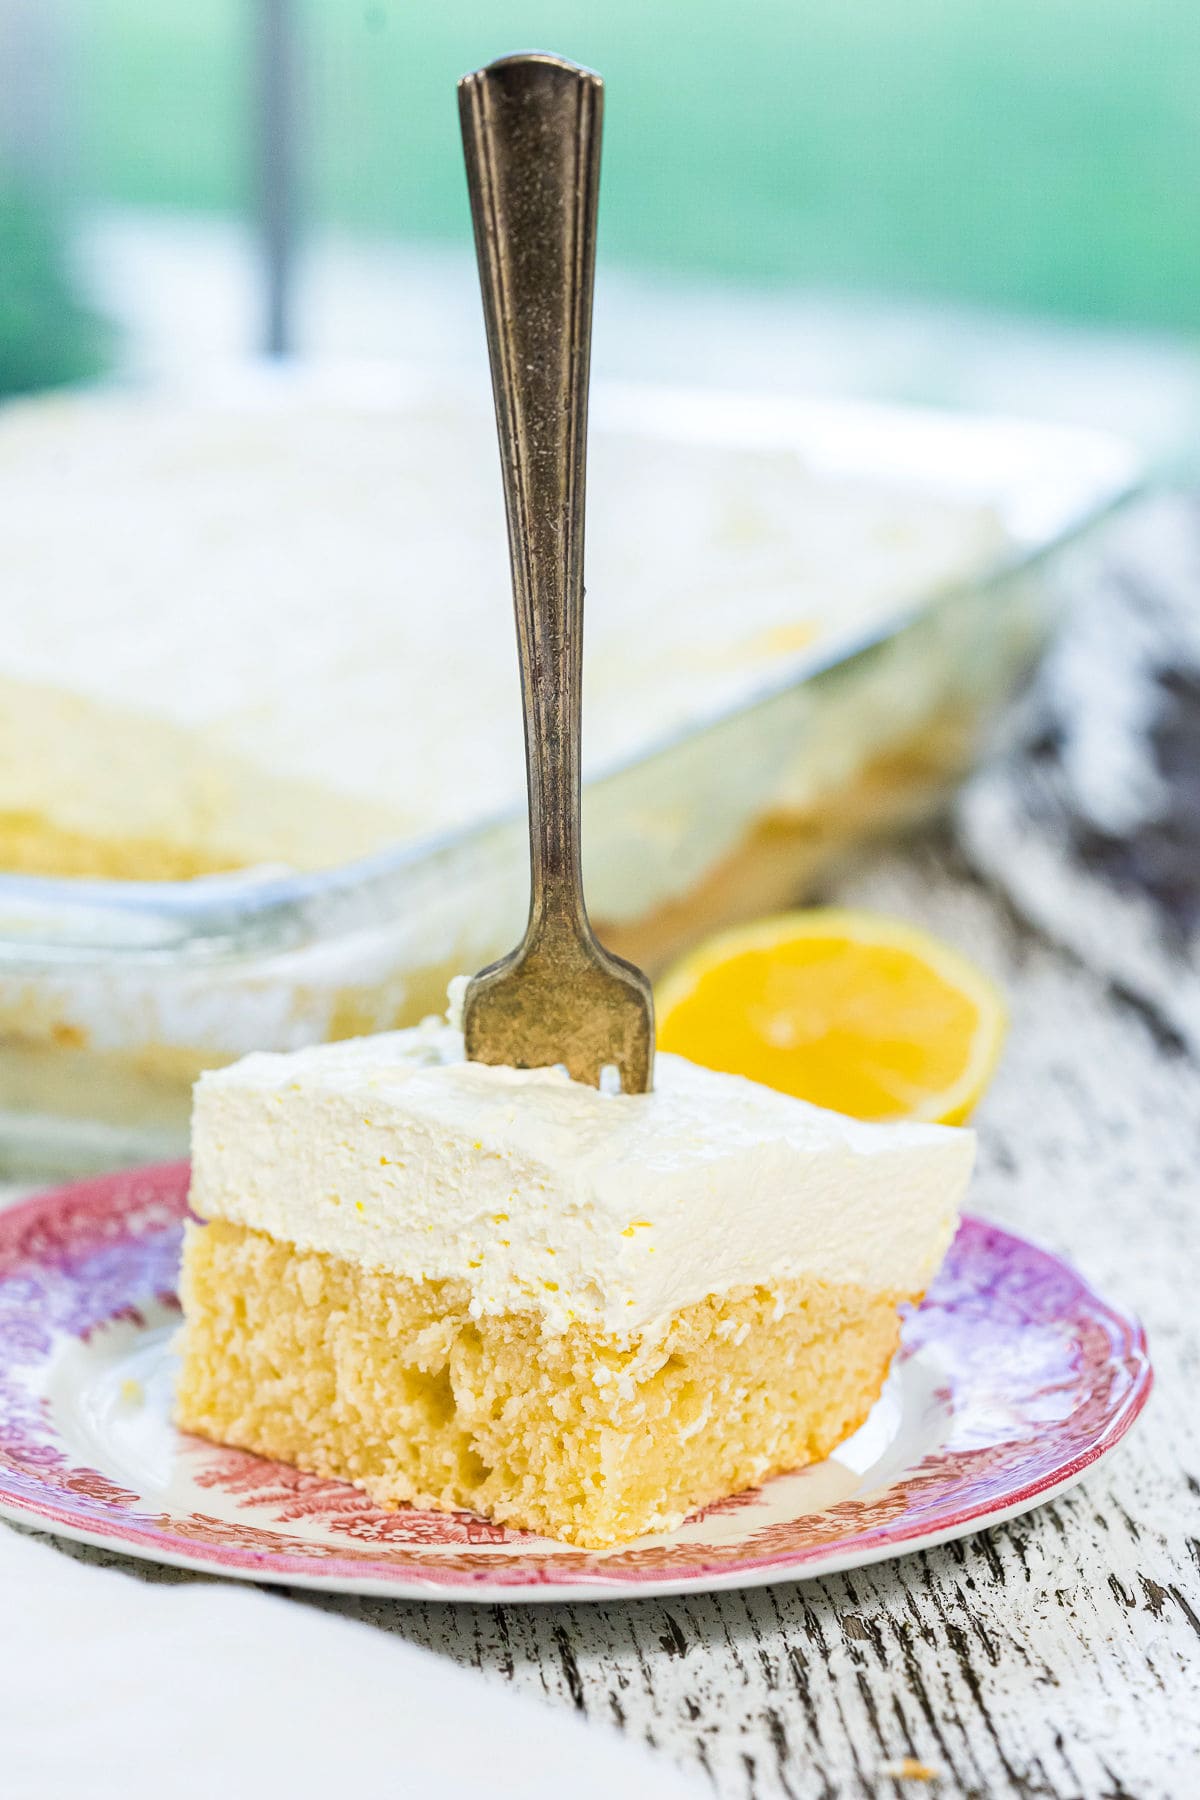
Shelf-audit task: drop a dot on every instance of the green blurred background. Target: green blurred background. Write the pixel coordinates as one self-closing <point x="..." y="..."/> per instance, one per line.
<point x="1039" y="156"/>
<point x="1044" y="154"/>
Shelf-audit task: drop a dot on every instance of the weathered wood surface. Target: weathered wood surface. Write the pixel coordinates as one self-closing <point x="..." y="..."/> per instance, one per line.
<point x="1058" y="1655"/>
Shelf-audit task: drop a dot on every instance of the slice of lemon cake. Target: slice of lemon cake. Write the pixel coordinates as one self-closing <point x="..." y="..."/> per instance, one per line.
<point x="581" y="1313"/>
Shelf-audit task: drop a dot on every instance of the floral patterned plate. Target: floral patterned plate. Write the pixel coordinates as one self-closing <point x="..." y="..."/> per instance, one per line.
<point x="1012" y="1379"/>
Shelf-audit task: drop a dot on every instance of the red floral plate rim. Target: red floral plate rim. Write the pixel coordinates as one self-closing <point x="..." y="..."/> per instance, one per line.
<point x="1012" y="1379"/>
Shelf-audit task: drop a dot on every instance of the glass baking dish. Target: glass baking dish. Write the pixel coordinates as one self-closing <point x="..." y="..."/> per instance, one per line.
<point x="114" y="994"/>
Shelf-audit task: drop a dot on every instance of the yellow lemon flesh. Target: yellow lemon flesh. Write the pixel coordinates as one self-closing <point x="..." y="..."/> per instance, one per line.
<point x="862" y="1014"/>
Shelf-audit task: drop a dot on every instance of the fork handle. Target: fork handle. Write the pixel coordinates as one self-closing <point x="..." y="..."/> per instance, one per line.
<point x="531" y="135"/>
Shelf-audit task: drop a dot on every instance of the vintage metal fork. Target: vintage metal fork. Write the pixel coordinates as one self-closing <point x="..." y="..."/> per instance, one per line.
<point x="531" y="136"/>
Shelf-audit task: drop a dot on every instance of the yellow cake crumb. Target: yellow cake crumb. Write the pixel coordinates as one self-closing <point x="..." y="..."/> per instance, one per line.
<point x="908" y="1768"/>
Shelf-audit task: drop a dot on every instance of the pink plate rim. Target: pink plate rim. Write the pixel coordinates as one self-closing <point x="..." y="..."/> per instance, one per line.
<point x="103" y="1248"/>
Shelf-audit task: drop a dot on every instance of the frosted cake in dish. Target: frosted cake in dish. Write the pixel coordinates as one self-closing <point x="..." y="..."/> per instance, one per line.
<point x="266" y="628"/>
<point x="578" y="1313"/>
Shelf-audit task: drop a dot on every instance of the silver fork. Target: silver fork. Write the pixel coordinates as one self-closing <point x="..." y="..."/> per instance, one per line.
<point x="531" y="137"/>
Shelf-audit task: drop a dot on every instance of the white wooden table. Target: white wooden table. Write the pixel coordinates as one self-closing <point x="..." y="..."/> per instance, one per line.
<point x="1058" y="1655"/>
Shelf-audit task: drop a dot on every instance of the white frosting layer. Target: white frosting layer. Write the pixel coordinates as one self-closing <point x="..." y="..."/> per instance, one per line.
<point x="541" y="1193"/>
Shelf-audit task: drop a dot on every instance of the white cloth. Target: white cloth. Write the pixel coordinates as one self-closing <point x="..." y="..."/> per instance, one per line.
<point x="120" y="1689"/>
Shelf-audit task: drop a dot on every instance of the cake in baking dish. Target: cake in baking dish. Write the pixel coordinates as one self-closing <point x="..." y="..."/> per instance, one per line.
<point x="580" y="1313"/>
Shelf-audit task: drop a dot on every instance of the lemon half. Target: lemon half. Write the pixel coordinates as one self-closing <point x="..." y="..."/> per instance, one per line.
<point x="863" y="1014"/>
